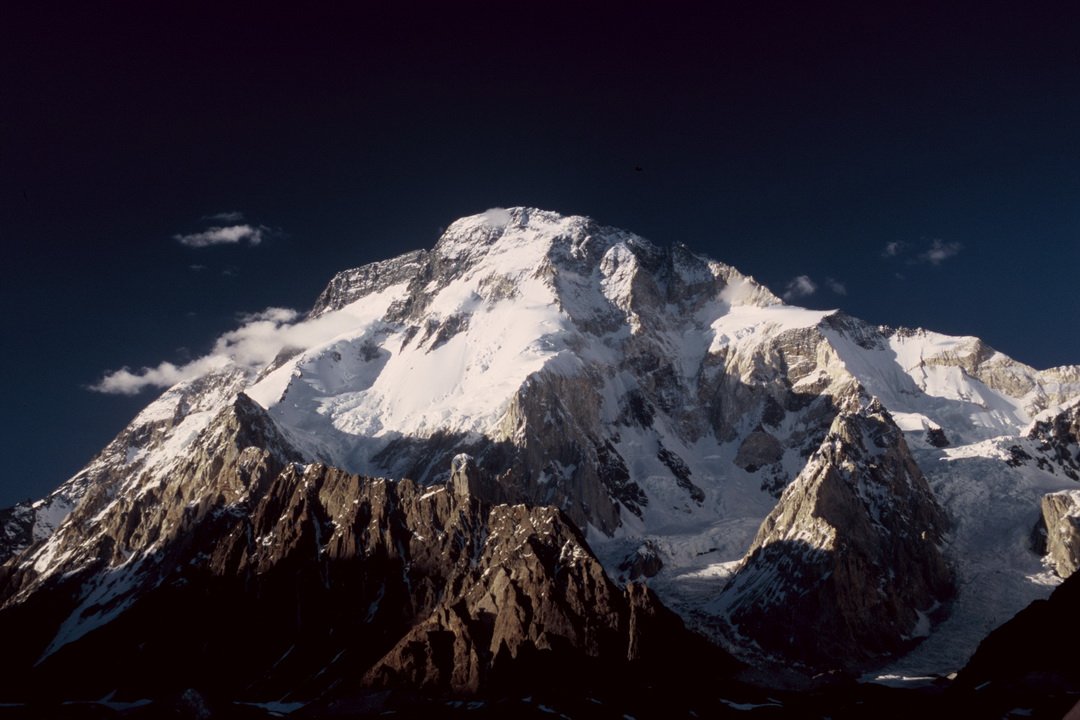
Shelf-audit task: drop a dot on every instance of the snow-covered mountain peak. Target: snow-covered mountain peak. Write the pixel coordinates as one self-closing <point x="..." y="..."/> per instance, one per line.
<point x="661" y="399"/>
<point x="444" y="341"/>
<point x="520" y="320"/>
<point x="484" y="258"/>
<point x="566" y="250"/>
<point x="470" y="235"/>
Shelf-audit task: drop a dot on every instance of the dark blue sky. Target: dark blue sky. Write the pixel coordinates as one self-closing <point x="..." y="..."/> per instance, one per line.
<point x="784" y="141"/>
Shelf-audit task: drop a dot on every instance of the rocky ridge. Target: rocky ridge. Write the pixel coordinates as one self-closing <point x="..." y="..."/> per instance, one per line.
<point x="366" y="583"/>
<point x="144" y="452"/>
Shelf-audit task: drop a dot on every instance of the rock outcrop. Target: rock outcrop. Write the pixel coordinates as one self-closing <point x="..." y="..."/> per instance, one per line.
<point x="538" y="603"/>
<point x="1061" y="520"/>
<point x="1058" y="442"/>
<point x="846" y="570"/>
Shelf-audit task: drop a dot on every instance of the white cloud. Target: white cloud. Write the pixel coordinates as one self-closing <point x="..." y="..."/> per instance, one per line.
<point x="251" y="346"/>
<point x="939" y="251"/>
<point x="497" y="217"/>
<point x="125" y="382"/>
<point x="227" y="235"/>
<point x="836" y="286"/>
<point x="270" y="314"/>
<point x="800" y="287"/>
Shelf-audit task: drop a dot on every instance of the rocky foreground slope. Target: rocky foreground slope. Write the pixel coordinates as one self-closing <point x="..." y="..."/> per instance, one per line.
<point x="800" y="486"/>
<point x="250" y="575"/>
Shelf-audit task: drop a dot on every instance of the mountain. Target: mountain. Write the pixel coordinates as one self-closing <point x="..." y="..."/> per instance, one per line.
<point x="642" y="408"/>
<point x="854" y="544"/>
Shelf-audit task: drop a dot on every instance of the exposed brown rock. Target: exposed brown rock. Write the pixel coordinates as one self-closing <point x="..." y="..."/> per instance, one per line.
<point x="1058" y="442"/>
<point x="1061" y="517"/>
<point x="758" y="449"/>
<point x="645" y="561"/>
<point x="846" y="569"/>
<point x="275" y="575"/>
<point x="537" y="596"/>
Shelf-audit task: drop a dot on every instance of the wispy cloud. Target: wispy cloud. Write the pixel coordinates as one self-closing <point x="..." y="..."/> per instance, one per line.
<point x="800" y="287"/>
<point x="261" y="337"/>
<point x="894" y="248"/>
<point x="226" y="217"/>
<point x="497" y="217"/>
<point x="940" y="251"/>
<point x="934" y="253"/>
<point x="836" y="286"/>
<point x="224" y="235"/>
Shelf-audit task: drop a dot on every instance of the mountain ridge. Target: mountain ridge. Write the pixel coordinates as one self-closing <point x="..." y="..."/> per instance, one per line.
<point x="668" y="405"/>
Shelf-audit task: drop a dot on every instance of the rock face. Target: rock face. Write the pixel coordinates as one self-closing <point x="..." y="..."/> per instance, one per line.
<point x="847" y="568"/>
<point x="276" y="576"/>
<point x="757" y="450"/>
<point x="643" y="562"/>
<point x="1061" y="518"/>
<point x="1058" y="442"/>
<point x="537" y="599"/>
<point x="123" y="526"/>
